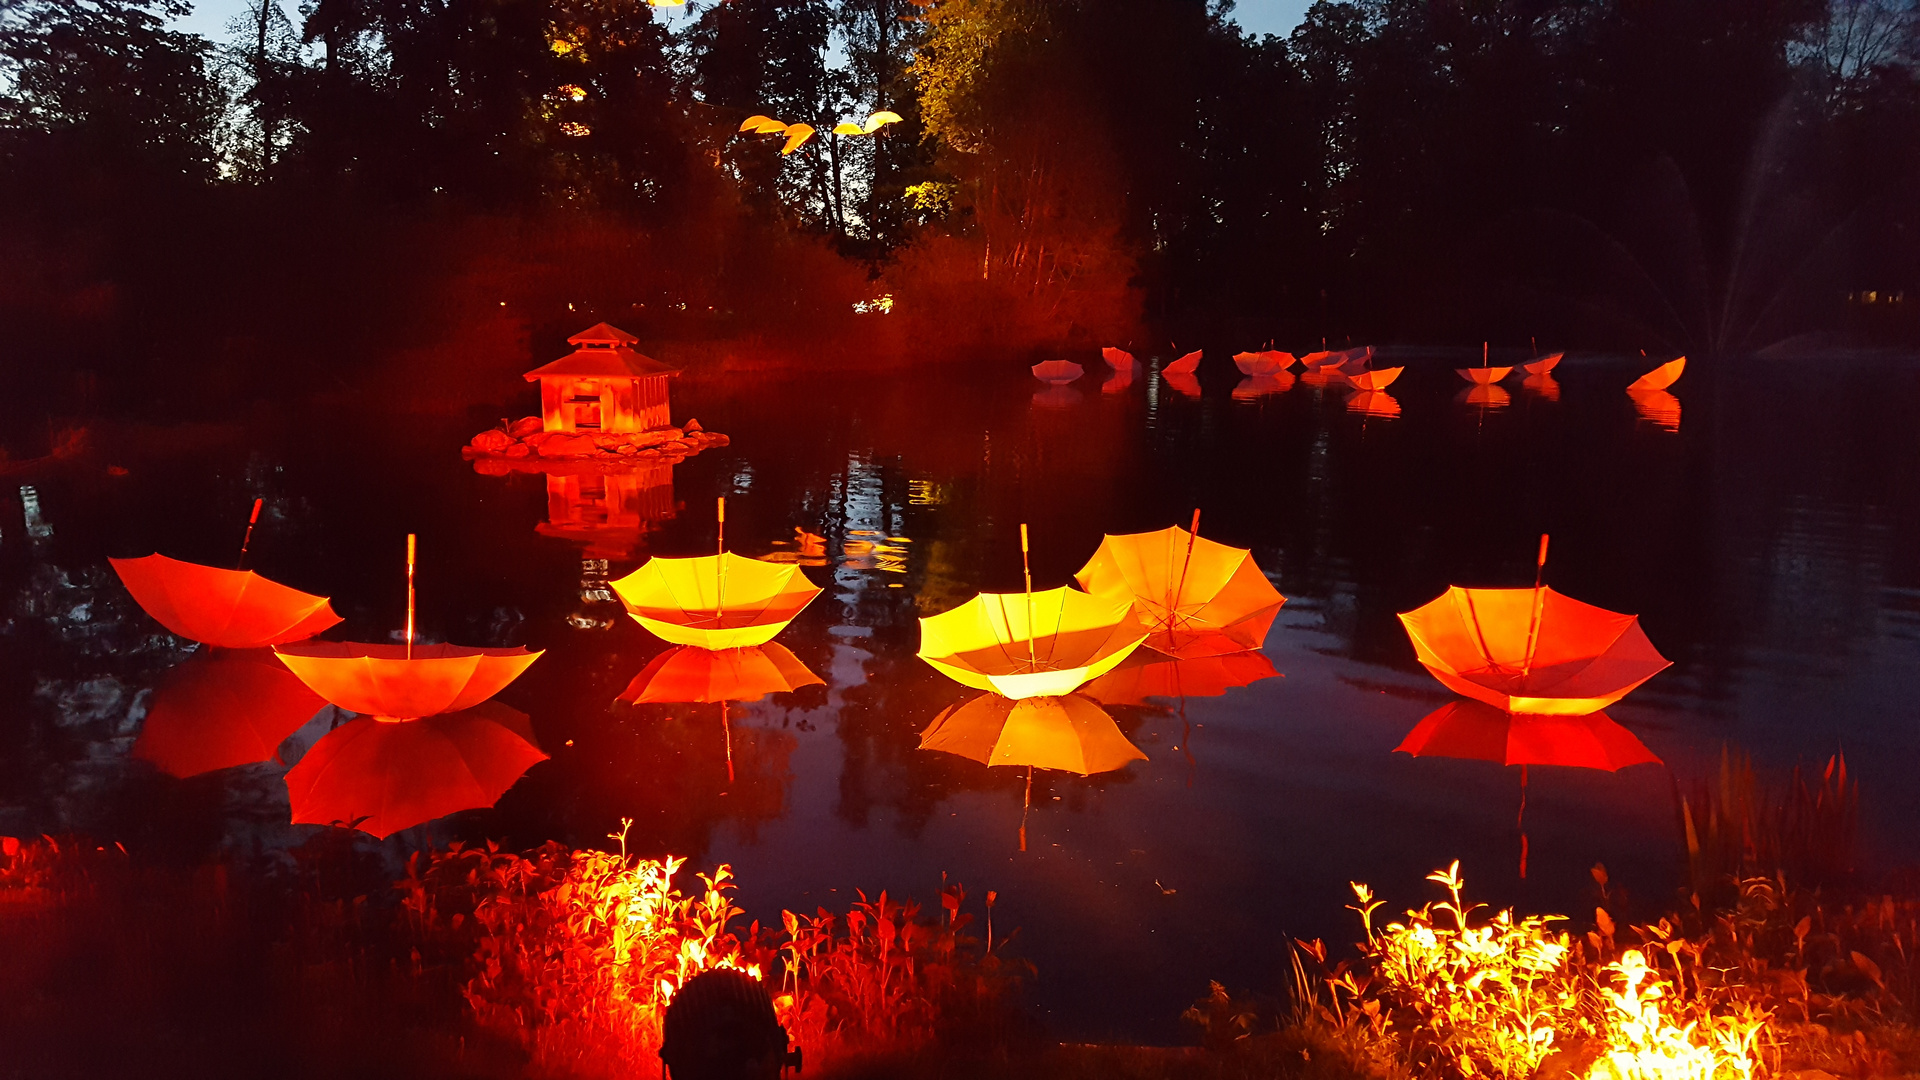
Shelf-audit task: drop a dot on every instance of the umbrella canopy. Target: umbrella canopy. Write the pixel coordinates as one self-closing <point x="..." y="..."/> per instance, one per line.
<point x="721" y="601"/>
<point x="686" y="673"/>
<point x="1195" y="597"/>
<point x="1658" y="406"/>
<point x="1661" y="377"/>
<point x="1116" y="382"/>
<point x="233" y="609"/>
<point x="404" y="681"/>
<point x="1151" y="675"/>
<point x="1057" y="371"/>
<point x="383" y="776"/>
<point x="1254" y="387"/>
<point x="1186" y="365"/>
<point x="1377" y="379"/>
<point x="1483" y="376"/>
<point x="1374" y="403"/>
<point x="1070" y="733"/>
<point x="1472" y="729"/>
<point x="222" y="709"/>
<point x="1118" y="359"/>
<point x="1531" y="650"/>
<point x="1542" y="365"/>
<point x="1022" y="645"/>
<point x="1258" y="363"/>
<point x="1323" y="358"/>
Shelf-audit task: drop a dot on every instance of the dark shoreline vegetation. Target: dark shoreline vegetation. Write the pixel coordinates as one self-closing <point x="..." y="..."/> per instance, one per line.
<point x="392" y="198"/>
<point x="482" y="963"/>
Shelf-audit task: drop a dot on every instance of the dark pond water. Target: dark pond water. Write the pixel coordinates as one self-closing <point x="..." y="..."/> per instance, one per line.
<point x="1771" y="546"/>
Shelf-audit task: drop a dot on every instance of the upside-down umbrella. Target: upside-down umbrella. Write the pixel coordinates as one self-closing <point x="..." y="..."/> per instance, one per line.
<point x="1116" y="382"/>
<point x="1255" y="387"/>
<point x="1321" y="358"/>
<point x="1186" y="365"/>
<point x="687" y="673"/>
<point x="1531" y="650"/>
<point x="1057" y="371"/>
<point x="721" y="601"/>
<point x="407" y="681"/>
<point x="1196" y="597"/>
<point x="1066" y="732"/>
<point x="382" y="776"/>
<point x="1375" y="379"/>
<point x="1484" y="375"/>
<point x="232" y="609"/>
<point x="1658" y="406"/>
<point x="220" y="709"/>
<point x="1661" y="377"/>
<point x="1543" y="364"/>
<point x="1377" y="403"/>
<point x="1477" y="731"/>
<point x="1258" y="363"/>
<point x="1118" y="359"/>
<point x="1030" y="644"/>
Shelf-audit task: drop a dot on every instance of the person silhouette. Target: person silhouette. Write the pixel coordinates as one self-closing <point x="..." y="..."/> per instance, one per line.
<point x="720" y="1026"/>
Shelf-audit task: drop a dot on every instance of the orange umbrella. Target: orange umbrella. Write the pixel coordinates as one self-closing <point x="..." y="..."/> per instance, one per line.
<point x="1658" y="406"/>
<point x="1255" y="387"/>
<point x="721" y="601"/>
<point x="382" y="776"/>
<point x="687" y="673"/>
<point x="1377" y="379"/>
<point x="1545" y="386"/>
<point x="1258" y="363"/>
<point x="1531" y="650"/>
<point x="220" y="709"/>
<point x="1483" y="375"/>
<point x="233" y="609"/>
<point x="1542" y="365"/>
<point x="1377" y="403"/>
<point x="1661" y="377"/>
<point x="1151" y="675"/>
<point x="1057" y="371"/>
<point x="404" y="681"/>
<point x="1195" y="597"/>
<point x="1475" y="730"/>
<point x="1070" y="733"/>
<point x="1118" y="359"/>
<point x="1285" y="360"/>
<point x="1321" y="358"/>
<point x="1186" y="365"/>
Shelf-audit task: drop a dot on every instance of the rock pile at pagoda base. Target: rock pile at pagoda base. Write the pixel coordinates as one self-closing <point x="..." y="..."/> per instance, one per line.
<point x="525" y="440"/>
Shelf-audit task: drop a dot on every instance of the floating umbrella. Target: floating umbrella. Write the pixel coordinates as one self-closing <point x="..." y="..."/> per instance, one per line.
<point x="1070" y="733"/>
<point x="1661" y="377"/>
<point x="1542" y="365"/>
<point x="1185" y="384"/>
<point x="1057" y="371"/>
<point x="1659" y="406"/>
<point x="383" y="776"/>
<point x="1257" y="363"/>
<point x="1118" y="359"/>
<point x="232" y="609"/>
<point x="1531" y="650"/>
<point x="1186" y="365"/>
<point x="404" y="682"/>
<point x="231" y="707"/>
<point x="1483" y="375"/>
<point x="1545" y="386"/>
<point x="1377" y="379"/>
<point x="1376" y="403"/>
<point x="1116" y="383"/>
<point x="691" y="674"/>
<point x="721" y="601"/>
<point x="1284" y="360"/>
<point x="1321" y="358"/>
<point x="1152" y="675"/>
<point x="1255" y="387"/>
<point x="1031" y="644"/>
<point x="1196" y="597"/>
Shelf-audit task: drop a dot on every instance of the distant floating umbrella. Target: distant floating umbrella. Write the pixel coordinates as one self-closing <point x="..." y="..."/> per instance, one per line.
<point x="1531" y="650"/>
<point x="1196" y="597"/>
<point x="232" y="609"/>
<point x="1283" y="360"/>
<point x="1257" y="363"/>
<point x="1658" y="406"/>
<point x="1375" y="403"/>
<point x="383" y="776"/>
<point x="1069" y="733"/>
<point x="1118" y="359"/>
<point x="1484" y="375"/>
<point x="1543" y="386"/>
<point x="1321" y="358"/>
<point x="1543" y="364"/>
<point x="221" y="709"/>
<point x="1186" y="365"/>
<point x="404" y="682"/>
<point x="1255" y="387"/>
<point x="1057" y="371"/>
<point x="1376" y="379"/>
<point x="721" y="601"/>
<point x="1661" y="377"/>
<point x="1030" y="644"/>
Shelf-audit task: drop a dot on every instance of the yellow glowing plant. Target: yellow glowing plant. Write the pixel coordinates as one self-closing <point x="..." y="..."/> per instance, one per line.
<point x="1644" y="1043"/>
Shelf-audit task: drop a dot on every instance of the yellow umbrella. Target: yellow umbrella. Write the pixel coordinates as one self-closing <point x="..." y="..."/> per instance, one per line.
<point x="722" y="601"/>
<point x="1030" y="644"/>
<point x="1196" y="597"/>
<point x="1068" y="732"/>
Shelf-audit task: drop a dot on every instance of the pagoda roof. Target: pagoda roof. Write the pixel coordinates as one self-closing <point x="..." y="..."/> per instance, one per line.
<point x="615" y="363"/>
<point x="602" y="334"/>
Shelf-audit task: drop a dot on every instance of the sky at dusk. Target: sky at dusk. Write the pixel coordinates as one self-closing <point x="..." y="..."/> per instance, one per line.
<point x="210" y="17"/>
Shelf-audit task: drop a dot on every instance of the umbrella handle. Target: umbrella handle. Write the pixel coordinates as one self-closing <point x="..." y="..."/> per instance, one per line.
<point x="720" y="570"/>
<point x="1173" y="611"/>
<point x="252" y="520"/>
<point x="1033" y="663"/>
<point x="410" y="559"/>
<point x="1539" y="603"/>
<point x="1521" y="820"/>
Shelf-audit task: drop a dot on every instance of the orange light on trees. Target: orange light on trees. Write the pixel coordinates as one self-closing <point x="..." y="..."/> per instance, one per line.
<point x="1196" y="597"/>
<point x="233" y="609"/>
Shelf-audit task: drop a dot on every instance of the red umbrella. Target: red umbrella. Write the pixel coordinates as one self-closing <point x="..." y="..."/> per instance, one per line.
<point x="1057" y="371"/>
<point x="234" y="609"/>
<point x="381" y="776"/>
<point x="221" y="709"/>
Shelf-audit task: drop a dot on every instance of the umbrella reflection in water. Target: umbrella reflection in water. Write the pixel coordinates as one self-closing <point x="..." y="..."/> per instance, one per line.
<point x="695" y="675"/>
<point x="1374" y="403"/>
<point x="1147" y="676"/>
<point x="1658" y="407"/>
<point x="220" y="709"/>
